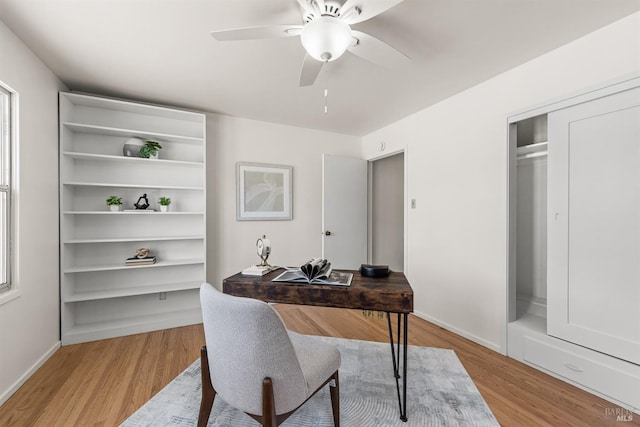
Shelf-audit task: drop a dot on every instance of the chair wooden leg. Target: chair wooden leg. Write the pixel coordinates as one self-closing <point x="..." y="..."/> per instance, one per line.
<point x="208" y="392"/>
<point x="268" y="404"/>
<point x="334" y="390"/>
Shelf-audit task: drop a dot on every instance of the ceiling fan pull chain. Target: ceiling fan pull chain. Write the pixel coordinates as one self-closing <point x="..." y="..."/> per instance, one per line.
<point x="326" y="97"/>
<point x="326" y="87"/>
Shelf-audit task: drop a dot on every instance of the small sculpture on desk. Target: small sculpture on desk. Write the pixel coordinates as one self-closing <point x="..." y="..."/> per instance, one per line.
<point x="142" y="203"/>
<point x="263" y="247"/>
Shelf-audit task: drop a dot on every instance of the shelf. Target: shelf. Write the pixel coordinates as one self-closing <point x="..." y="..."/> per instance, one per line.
<point x="133" y="239"/>
<point x="131" y="325"/>
<point x="138" y="186"/>
<point x="128" y="133"/>
<point x="531" y="322"/>
<point x="139" y="160"/>
<point x="532" y="150"/>
<point x="142" y="212"/>
<point x="101" y="296"/>
<point x="126" y="106"/>
<point x="531" y="304"/>
<point x="132" y="291"/>
<point x="113" y="267"/>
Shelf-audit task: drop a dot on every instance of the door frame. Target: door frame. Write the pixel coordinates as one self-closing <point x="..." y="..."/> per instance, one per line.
<point x="405" y="185"/>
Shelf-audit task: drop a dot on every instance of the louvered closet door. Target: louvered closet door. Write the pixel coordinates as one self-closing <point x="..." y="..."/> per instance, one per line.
<point x="594" y="225"/>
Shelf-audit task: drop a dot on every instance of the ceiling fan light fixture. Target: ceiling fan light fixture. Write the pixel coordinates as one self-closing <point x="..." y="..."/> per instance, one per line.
<point x="326" y="38"/>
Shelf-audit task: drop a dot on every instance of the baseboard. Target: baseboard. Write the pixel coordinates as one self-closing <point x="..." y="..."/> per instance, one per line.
<point x="477" y="340"/>
<point x="9" y="392"/>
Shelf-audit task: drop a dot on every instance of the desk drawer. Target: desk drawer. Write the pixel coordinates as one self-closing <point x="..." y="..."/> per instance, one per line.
<point x="610" y="381"/>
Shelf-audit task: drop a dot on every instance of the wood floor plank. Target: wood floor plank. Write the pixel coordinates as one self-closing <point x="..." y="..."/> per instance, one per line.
<point x="102" y="383"/>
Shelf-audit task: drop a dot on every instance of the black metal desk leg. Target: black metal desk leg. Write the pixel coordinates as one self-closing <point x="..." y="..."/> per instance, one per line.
<point x="402" y="341"/>
<point x="403" y="411"/>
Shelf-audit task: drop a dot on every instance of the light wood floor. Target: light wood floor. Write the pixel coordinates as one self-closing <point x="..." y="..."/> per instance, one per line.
<point x="101" y="383"/>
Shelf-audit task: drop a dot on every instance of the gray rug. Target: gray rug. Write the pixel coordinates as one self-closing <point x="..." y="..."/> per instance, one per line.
<point x="439" y="393"/>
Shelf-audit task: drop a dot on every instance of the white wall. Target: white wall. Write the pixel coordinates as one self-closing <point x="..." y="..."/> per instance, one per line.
<point x="457" y="171"/>
<point x="231" y="243"/>
<point x="29" y="315"/>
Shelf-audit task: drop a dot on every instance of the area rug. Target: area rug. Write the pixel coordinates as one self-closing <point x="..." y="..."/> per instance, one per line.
<point x="439" y="393"/>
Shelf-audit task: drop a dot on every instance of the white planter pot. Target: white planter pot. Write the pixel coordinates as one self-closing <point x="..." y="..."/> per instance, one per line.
<point x="114" y="208"/>
<point x="164" y="208"/>
<point x="132" y="147"/>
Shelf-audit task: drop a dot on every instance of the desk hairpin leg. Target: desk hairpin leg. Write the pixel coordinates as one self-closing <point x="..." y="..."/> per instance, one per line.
<point x="395" y="357"/>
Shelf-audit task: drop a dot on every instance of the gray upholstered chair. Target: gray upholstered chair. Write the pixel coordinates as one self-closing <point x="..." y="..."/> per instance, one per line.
<point x="256" y="365"/>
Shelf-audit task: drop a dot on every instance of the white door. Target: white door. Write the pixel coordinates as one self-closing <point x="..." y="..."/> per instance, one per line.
<point x="344" y="211"/>
<point x="594" y="225"/>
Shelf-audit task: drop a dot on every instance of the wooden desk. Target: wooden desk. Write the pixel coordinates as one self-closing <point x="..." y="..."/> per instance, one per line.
<point x="391" y="294"/>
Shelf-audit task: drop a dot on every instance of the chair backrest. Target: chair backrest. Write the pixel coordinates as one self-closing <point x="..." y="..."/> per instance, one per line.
<point x="246" y="342"/>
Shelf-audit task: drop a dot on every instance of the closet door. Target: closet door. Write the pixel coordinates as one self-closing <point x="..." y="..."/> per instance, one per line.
<point x="594" y="224"/>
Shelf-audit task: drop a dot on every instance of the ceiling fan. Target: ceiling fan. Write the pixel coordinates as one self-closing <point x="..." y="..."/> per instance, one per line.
<point x="326" y="34"/>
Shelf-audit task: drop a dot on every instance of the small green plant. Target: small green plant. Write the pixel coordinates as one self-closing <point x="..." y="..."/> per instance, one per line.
<point x="164" y="201"/>
<point x="114" y="201"/>
<point x="149" y="149"/>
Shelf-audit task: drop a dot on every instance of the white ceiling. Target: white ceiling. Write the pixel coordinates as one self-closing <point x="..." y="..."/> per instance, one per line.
<point x="160" y="51"/>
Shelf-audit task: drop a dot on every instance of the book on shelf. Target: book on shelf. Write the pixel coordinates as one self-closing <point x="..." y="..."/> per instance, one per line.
<point x="140" y="261"/>
<point x="317" y="271"/>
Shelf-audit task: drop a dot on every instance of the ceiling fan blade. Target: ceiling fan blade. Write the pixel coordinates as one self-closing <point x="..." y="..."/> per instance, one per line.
<point x="310" y="70"/>
<point x="253" y="33"/>
<point x="354" y="11"/>
<point x="315" y="6"/>
<point x="306" y="5"/>
<point x="320" y="5"/>
<point x="376" y="51"/>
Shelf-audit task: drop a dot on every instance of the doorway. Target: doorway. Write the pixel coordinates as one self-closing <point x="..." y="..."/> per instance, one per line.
<point x="386" y="212"/>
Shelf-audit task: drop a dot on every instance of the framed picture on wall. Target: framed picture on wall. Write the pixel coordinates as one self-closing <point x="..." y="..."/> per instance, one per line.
<point x="264" y="192"/>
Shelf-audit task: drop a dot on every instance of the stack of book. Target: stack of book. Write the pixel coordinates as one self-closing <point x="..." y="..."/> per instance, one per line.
<point x="258" y="270"/>
<point x="140" y="261"/>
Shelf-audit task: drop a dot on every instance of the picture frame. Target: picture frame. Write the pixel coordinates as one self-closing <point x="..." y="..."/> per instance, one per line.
<point x="264" y="192"/>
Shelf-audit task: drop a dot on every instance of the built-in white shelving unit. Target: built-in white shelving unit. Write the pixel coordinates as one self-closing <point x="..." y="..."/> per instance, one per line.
<point x="101" y="297"/>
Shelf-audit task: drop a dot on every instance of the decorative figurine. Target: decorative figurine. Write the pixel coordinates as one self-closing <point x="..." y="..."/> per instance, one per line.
<point x="142" y="257"/>
<point x="142" y="253"/>
<point x="140" y="205"/>
<point x="263" y="247"/>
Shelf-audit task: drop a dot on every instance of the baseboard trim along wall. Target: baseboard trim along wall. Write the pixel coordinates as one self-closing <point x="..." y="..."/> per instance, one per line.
<point x="9" y="392"/>
<point x="477" y="340"/>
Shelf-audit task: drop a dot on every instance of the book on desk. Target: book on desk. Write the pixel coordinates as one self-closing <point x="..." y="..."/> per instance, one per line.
<point x="258" y="270"/>
<point x="318" y="271"/>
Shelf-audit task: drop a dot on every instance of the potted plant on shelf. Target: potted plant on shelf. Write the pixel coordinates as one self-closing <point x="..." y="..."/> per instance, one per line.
<point x="114" y="203"/>
<point x="164" y="203"/>
<point x="150" y="149"/>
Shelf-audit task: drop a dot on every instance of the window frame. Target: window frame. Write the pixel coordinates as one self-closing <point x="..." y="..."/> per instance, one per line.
<point x="8" y="112"/>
